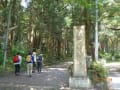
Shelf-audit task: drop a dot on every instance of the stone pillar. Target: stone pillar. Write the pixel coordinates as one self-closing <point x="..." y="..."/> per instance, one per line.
<point x="79" y="81"/>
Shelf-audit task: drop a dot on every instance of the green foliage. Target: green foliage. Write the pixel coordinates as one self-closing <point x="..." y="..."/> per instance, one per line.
<point x="107" y="56"/>
<point x="1" y="57"/>
<point x="22" y="50"/>
<point x="117" y="54"/>
<point x="97" y="72"/>
<point x="51" y="60"/>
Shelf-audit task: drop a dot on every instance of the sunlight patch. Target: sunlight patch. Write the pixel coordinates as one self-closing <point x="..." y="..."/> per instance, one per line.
<point x="61" y="69"/>
<point x="32" y="88"/>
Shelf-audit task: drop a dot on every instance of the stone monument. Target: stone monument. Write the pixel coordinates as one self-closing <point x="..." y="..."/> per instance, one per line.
<point x="79" y="80"/>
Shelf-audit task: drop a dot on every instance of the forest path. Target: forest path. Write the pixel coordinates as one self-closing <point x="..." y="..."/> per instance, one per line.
<point x="51" y="78"/>
<point x="114" y="74"/>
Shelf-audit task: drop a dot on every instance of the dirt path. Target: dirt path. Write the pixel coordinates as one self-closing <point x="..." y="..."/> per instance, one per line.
<point x="114" y="74"/>
<point x="51" y="78"/>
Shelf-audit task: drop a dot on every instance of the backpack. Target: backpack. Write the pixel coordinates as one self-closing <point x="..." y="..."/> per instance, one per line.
<point x="28" y="58"/>
<point x="39" y="59"/>
<point x="16" y="59"/>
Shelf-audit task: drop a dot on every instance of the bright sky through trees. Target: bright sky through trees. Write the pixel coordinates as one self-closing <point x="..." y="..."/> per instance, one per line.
<point x="25" y="3"/>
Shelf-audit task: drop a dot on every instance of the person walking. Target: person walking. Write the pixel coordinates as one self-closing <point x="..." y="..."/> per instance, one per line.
<point x="20" y="61"/>
<point x="29" y="64"/>
<point x="34" y="60"/>
<point x="16" y="64"/>
<point x="39" y="63"/>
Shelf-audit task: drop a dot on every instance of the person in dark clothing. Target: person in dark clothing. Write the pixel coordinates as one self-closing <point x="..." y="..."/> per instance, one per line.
<point x="17" y="69"/>
<point x="16" y="64"/>
<point x="33" y="55"/>
<point x="39" y="63"/>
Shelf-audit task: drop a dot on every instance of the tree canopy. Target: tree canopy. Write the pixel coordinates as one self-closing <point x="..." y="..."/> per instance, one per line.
<point x="47" y="26"/>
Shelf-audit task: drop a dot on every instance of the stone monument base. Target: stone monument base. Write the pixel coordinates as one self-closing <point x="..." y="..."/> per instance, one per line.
<point x="79" y="83"/>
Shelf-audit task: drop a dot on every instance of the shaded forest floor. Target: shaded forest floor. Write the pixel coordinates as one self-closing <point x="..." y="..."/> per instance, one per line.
<point x="51" y="78"/>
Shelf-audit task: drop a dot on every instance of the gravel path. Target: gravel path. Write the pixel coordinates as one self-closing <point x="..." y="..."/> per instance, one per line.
<point x="114" y="75"/>
<point x="51" y="78"/>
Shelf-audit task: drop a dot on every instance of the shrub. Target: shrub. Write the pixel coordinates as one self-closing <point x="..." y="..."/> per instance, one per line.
<point x="97" y="72"/>
<point x="117" y="55"/>
<point x="106" y="56"/>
